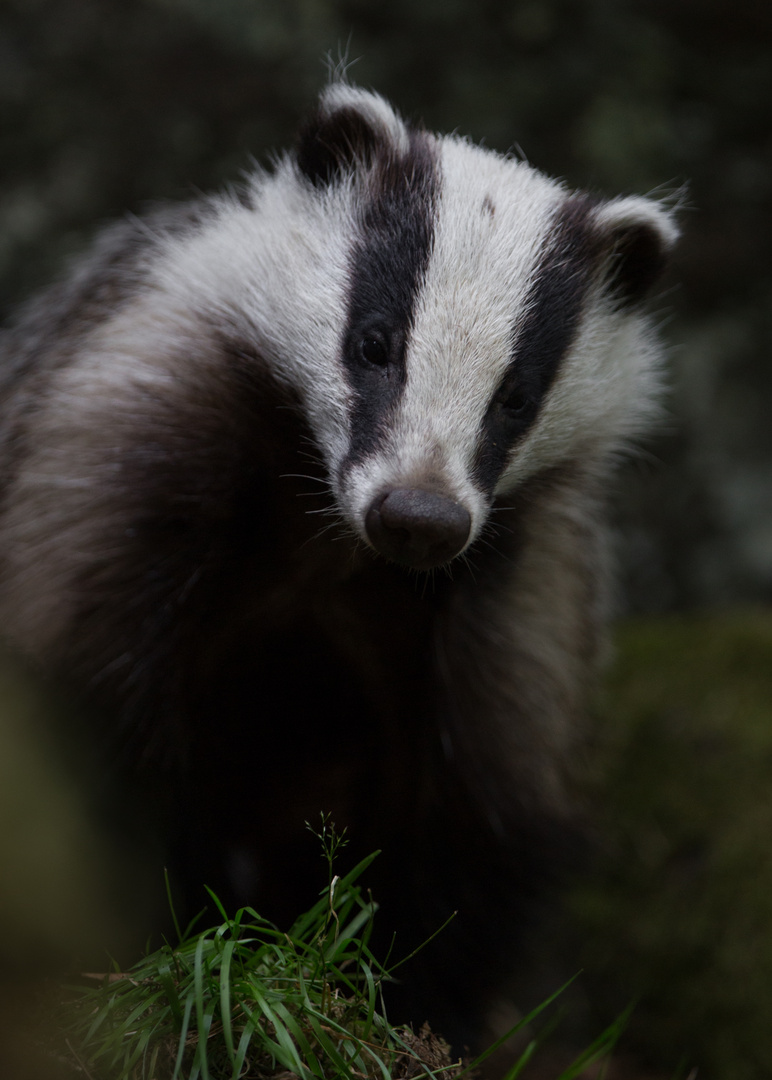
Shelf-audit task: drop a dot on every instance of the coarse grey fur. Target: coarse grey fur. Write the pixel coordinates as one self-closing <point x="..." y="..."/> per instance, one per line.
<point x="302" y="501"/>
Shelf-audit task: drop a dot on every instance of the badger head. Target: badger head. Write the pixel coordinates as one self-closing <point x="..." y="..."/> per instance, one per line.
<point x="454" y="321"/>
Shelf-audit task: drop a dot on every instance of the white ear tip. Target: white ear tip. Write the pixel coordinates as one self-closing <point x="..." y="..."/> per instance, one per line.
<point x="637" y="210"/>
<point x="371" y="106"/>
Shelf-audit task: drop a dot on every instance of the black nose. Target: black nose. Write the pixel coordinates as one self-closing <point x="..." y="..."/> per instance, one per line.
<point x="417" y="528"/>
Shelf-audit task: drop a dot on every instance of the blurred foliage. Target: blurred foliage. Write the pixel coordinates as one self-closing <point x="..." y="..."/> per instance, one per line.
<point x="681" y="911"/>
<point x="65" y="888"/>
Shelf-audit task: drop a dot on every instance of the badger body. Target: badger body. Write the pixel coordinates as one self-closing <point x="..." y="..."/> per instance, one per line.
<point x="302" y="500"/>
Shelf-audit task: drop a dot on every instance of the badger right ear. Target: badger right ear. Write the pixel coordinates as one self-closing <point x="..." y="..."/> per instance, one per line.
<point x="348" y="129"/>
<point x="639" y="236"/>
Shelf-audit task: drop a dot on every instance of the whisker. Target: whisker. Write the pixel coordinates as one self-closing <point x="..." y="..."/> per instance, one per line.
<point x="320" y="532"/>
<point x="468" y="563"/>
<point x="322" y="509"/>
<point x="304" y="476"/>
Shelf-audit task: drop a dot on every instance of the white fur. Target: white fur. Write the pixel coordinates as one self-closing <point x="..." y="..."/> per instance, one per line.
<point x="278" y="275"/>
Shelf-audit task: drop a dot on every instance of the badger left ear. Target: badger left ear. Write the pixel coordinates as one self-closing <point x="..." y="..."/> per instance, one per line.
<point x="638" y="236"/>
<point x="349" y="128"/>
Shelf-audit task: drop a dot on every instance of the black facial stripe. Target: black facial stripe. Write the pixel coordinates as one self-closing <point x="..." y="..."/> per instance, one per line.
<point x="386" y="271"/>
<point x="552" y="315"/>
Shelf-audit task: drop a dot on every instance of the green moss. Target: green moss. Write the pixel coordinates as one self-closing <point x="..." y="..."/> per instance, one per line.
<point x="680" y="912"/>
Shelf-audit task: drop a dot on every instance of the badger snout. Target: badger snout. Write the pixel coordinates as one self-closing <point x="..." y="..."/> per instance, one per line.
<point x="417" y="528"/>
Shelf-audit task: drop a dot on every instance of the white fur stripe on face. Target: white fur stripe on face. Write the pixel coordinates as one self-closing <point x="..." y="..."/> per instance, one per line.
<point x="488" y="236"/>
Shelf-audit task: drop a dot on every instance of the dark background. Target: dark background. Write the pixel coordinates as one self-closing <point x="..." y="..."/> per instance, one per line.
<point x="110" y="104"/>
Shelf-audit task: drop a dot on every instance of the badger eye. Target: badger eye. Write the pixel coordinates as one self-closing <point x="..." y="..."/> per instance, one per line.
<point x="374" y="350"/>
<point x="516" y="402"/>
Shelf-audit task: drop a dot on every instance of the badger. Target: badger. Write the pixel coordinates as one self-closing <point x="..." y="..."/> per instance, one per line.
<point x="303" y="492"/>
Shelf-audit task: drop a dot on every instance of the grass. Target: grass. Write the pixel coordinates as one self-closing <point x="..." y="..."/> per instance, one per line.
<point x="245" y="1001"/>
